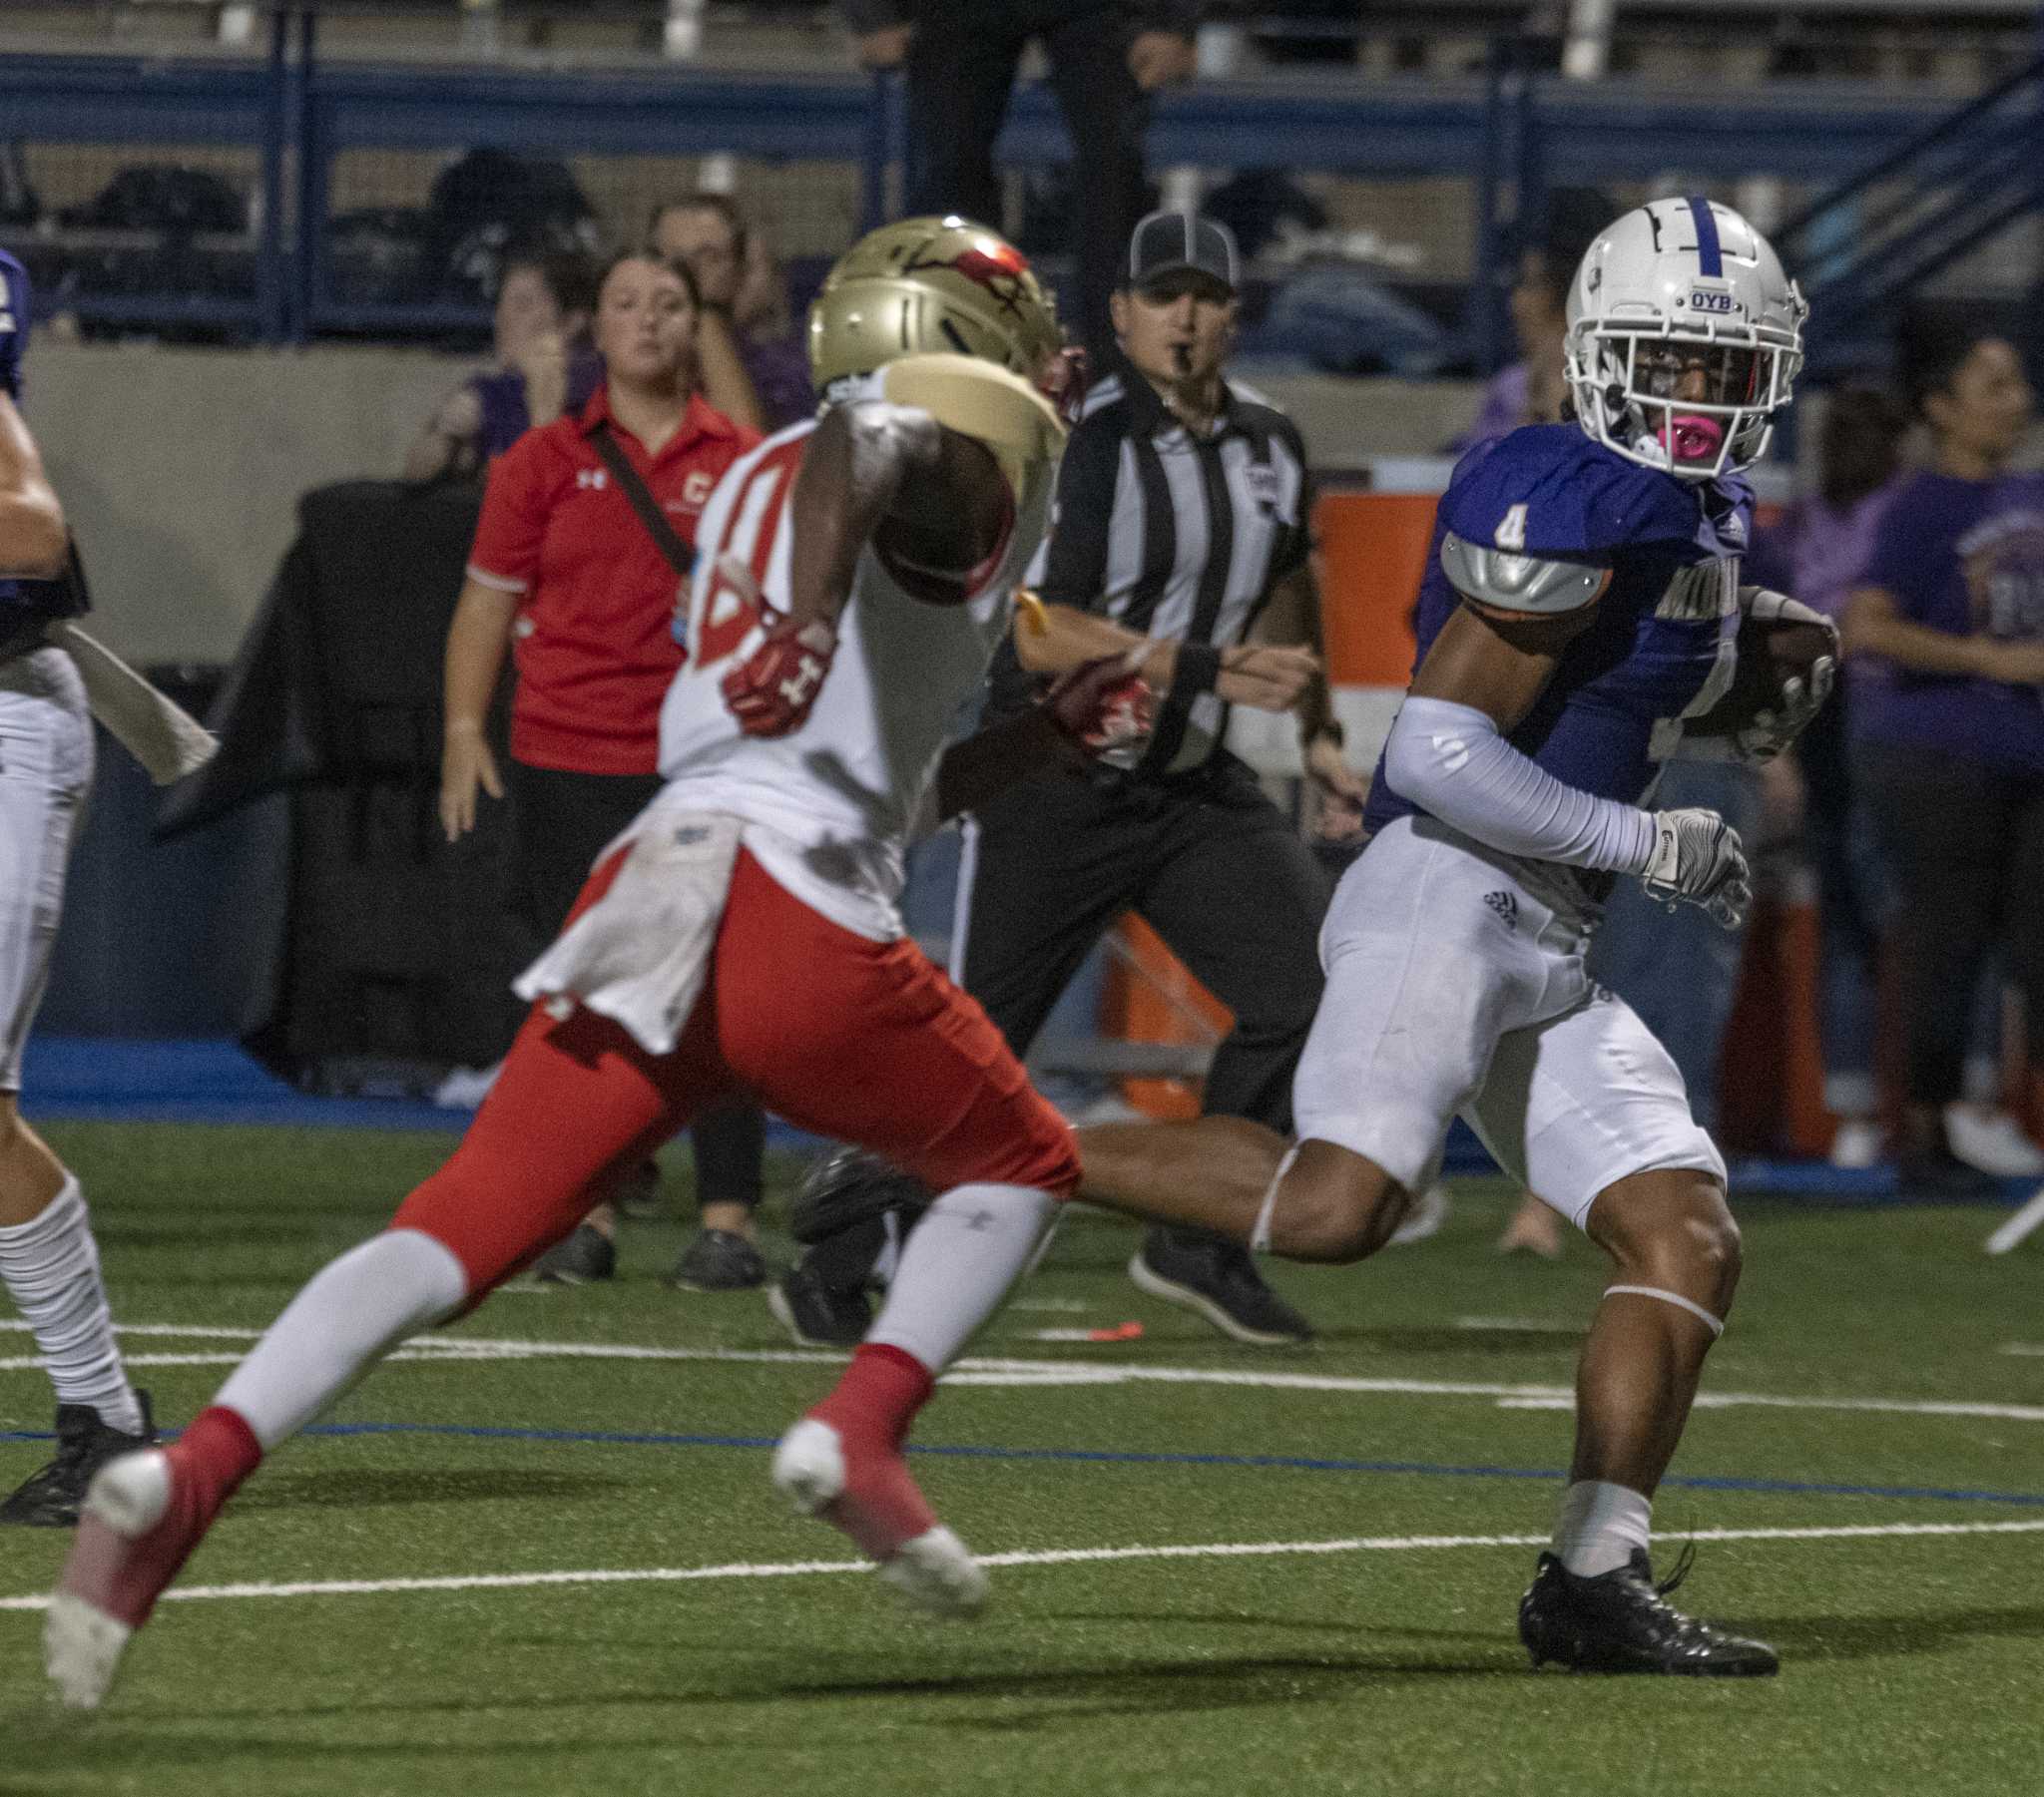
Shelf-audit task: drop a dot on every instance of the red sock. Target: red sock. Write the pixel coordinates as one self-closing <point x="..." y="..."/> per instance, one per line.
<point x="880" y="1395"/>
<point x="124" y="1578"/>
<point x="217" y="1451"/>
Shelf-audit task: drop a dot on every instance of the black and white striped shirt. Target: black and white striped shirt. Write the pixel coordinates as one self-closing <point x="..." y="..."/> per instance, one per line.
<point x="1173" y="535"/>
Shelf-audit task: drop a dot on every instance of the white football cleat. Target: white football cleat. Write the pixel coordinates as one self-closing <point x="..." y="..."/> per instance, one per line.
<point x="1987" y="1138"/>
<point x="81" y="1649"/>
<point x="808" y="1466"/>
<point x="1429" y="1212"/>
<point x="932" y="1570"/>
<point x="84" y="1636"/>
<point x="936" y="1573"/>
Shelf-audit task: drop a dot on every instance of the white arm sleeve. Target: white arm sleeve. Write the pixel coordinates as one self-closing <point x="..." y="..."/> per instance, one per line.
<point x="1452" y="760"/>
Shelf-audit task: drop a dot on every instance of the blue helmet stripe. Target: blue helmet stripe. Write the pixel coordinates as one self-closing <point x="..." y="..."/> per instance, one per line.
<point x="1709" y="253"/>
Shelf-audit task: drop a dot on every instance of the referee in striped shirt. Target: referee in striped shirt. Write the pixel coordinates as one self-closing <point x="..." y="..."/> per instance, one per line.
<point x="1183" y="519"/>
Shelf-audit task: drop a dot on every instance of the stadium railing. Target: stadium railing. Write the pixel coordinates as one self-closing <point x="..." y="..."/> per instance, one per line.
<point x="292" y="114"/>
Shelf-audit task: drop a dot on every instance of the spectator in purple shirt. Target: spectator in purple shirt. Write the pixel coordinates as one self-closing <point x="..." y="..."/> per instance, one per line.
<point x="1819" y="550"/>
<point x="1947" y="724"/>
<point x="745" y="302"/>
<point x="545" y="368"/>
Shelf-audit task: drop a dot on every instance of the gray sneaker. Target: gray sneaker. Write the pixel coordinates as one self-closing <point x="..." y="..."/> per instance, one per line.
<point x="719" y="1260"/>
<point x="580" y="1259"/>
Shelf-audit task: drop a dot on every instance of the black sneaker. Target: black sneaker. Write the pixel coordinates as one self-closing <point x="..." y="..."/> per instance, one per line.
<point x="816" y="1315"/>
<point x="580" y="1259"/>
<point x="1621" y="1622"/>
<point x="719" y="1260"/>
<point x="1217" y="1280"/>
<point x="50" y="1497"/>
<point x="638" y="1193"/>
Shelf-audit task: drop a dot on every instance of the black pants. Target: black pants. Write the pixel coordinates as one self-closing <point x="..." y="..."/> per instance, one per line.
<point x="1966" y="842"/>
<point x="1205" y="860"/>
<point x="561" y="822"/>
<point x="960" y="74"/>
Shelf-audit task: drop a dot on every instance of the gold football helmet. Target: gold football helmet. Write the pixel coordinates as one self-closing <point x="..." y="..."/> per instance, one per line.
<point x="927" y="285"/>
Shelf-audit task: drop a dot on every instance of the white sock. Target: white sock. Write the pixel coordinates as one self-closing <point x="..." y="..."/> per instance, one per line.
<point x="52" y="1268"/>
<point x="352" y="1314"/>
<point x="1600" y="1525"/>
<point x="970" y="1246"/>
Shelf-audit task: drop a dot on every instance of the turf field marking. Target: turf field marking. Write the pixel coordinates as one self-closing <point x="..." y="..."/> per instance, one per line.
<point x="983" y="1370"/>
<point x="1054" y="1557"/>
<point x="1532" y="1326"/>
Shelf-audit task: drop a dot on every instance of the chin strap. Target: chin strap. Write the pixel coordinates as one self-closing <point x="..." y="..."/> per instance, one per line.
<point x="1715" y="1325"/>
<point x="1260" y="1236"/>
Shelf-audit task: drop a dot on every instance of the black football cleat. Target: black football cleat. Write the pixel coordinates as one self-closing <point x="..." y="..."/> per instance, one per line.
<point x="1217" y="1280"/>
<point x="816" y="1315"/>
<point x="851" y="1186"/>
<point x="1621" y="1622"/>
<point x="52" y="1495"/>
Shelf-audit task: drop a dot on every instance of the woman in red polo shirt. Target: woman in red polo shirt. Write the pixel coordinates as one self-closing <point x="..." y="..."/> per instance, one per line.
<point x="565" y="575"/>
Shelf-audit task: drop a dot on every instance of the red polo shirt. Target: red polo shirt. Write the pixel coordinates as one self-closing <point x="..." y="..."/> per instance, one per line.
<point x="593" y="637"/>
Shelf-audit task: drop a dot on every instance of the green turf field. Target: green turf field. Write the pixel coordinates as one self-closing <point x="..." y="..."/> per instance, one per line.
<point x="1365" y="1645"/>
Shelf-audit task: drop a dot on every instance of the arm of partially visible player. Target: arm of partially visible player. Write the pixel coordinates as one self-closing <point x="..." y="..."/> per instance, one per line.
<point x="34" y="543"/>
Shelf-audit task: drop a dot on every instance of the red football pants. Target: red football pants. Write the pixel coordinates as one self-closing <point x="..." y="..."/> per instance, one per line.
<point x="861" y="1041"/>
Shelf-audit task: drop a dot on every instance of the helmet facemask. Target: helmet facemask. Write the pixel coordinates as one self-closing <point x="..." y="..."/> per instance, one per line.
<point x="1693" y="403"/>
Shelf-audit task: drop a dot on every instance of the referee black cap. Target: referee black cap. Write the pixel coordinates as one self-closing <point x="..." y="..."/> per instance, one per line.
<point x="1168" y="243"/>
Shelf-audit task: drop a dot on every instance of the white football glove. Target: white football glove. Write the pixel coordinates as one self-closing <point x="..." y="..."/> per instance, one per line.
<point x="1698" y="860"/>
<point x="1774" y="729"/>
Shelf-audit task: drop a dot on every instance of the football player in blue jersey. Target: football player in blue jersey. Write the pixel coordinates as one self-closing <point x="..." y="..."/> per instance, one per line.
<point x="1582" y="604"/>
<point x="47" y="1256"/>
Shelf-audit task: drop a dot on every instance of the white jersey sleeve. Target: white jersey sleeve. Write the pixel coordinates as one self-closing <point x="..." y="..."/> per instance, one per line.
<point x="830" y="806"/>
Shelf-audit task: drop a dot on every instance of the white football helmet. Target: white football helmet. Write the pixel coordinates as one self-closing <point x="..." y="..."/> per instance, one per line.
<point x="1685" y="338"/>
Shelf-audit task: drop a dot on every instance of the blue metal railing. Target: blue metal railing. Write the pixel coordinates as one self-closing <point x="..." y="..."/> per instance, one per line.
<point x="1875" y="238"/>
<point x="1508" y="130"/>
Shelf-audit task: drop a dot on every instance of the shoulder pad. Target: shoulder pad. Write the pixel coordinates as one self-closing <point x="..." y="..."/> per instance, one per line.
<point x="1556" y="493"/>
<point x="1538" y="584"/>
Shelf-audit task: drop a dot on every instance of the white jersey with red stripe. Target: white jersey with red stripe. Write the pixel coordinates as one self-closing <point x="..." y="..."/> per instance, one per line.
<point x="828" y="809"/>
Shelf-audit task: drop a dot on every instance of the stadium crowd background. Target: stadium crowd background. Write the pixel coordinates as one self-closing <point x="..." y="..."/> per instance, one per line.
<point x="1379" y="309"/>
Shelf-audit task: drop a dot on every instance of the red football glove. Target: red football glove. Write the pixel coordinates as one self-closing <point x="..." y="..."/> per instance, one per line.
<point x="1103" y="704"/>
<point x="771" y="691"/>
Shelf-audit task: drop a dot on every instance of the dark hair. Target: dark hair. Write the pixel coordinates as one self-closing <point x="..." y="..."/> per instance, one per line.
<point x="678" y="270"/>
<point x="1932" y="361"/>
<point x="721" y="203"/>
<point x="565" y="274"/>
<point x="1861" y="445"/>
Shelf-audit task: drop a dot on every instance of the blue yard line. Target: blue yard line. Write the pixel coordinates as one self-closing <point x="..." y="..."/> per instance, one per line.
<point x="1295" y="1463"/>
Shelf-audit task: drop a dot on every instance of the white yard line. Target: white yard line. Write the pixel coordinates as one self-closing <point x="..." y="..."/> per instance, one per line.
<point x="1055" y="1557"/>
<point x="986" y="1370"/>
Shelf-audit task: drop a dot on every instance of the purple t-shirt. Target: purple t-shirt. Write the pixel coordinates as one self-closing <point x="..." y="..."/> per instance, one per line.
<point x="1967" y="558"/>
<point x="1818" y="553"/>
<point x="502" y="394"/>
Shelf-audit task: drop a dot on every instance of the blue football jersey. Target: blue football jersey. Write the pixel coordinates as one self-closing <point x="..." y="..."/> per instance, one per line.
<point x="1663" y="631"/>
